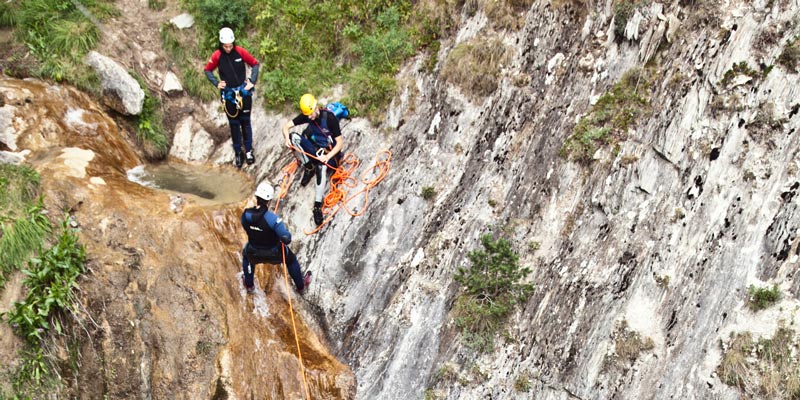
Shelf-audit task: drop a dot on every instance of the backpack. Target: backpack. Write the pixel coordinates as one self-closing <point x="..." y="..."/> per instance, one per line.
<point x="338" y="109"/>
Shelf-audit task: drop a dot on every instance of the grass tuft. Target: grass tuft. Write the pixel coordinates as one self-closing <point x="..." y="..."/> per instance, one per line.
<point x="760" y="298"/>
<point x="610" y="118"/>
<point x="474" y="66"/>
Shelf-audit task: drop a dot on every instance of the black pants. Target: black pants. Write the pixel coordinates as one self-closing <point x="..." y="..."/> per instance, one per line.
<point x="252" y="255"/>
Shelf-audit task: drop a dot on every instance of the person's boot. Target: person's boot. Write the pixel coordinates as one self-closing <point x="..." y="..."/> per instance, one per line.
<point x="250" y="289"/>
<point x="308" y="173"/>
<point x="318" y="213"/>
<point x="249" y="157"/>
<point x="239" y="159"/>
<point x="306" y="282"/>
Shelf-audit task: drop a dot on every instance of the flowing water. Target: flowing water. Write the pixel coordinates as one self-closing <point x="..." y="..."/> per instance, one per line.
<point x="210" y="185"/>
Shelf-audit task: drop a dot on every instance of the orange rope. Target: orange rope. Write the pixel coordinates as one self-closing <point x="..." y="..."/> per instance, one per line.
<point x="288" y="172"/>
<point x="341" y="180"/>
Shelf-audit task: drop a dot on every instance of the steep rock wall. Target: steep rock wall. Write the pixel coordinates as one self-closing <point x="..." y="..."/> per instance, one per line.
<point x="694" y="194"/>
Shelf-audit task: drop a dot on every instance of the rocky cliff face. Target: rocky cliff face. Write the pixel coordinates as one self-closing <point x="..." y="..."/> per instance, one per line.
<point x="162" y="311"/>
<point x="665" y="232"/>
<point x="645" y="248"/>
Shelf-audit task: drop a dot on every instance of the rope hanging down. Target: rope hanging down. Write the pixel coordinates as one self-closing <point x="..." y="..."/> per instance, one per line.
<point x="281" y="194"/>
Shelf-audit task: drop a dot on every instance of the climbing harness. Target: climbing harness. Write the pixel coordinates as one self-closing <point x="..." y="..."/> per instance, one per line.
<point x="235" y="97"/>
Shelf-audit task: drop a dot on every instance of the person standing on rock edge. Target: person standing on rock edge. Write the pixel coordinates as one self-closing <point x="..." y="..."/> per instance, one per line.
<point x="265" y="233"/>
<point x="236" y="90"/>
<point x="323" y="139"/>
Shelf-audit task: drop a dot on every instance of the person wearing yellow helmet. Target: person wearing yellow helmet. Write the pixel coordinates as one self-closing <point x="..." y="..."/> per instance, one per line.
<point x="322" y="138"/>
<point x="236" y="90"/>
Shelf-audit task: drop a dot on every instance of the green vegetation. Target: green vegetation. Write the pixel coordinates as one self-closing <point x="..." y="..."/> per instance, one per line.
<point x="766" y="366"/>
<point x="428" y="192"/>
<point x="314" y="46"/>
<point x="50" y="281"/>
<point x="474" y="65"/>
<point x="150" y="123"/>
<point x="790" y="58"/>
<point x="740" y="68"/>
<point x="23" y="225"/>
<point x="623" y="10"/>
<point x="533" y="246"/>
<point x="59" y="34"/>
<point x="156" y="5"/>
<point x="492" y="286"/>
<point x="184" y="48"/>
<point x="612" y="115"/>
<point x="760" y="298"/>
<point x="211" y="15"/>
<point x="361" y="44"/>
<point x="447" y="372"/>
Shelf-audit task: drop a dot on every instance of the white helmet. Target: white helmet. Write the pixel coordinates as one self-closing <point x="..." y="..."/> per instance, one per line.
<point x="265" y="191"/>
<point x="226" y="36"/>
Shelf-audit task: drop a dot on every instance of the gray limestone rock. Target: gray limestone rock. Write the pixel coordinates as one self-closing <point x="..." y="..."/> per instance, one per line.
<point x="171" y="84"/>
<point x="182" y="21"/>
<point x="121" y="91"/>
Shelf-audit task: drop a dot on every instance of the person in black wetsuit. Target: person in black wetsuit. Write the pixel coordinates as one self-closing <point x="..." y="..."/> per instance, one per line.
<point x="237" y="91"/>
<point x="265" y="234"/>
<point x="323" y="139"/>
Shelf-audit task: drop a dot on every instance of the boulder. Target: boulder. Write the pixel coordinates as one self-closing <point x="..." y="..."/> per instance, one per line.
<point x="191" y="142"/>
<point x="121" y="92"/>
<point x="182" y="21"/>
<point x="171" y="84"/>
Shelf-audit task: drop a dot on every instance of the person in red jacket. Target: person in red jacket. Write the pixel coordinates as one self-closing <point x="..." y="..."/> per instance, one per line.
<point x="236" y="89"/>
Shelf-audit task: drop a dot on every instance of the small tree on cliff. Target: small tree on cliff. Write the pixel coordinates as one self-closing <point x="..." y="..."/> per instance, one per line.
<point x="492" y="286"/>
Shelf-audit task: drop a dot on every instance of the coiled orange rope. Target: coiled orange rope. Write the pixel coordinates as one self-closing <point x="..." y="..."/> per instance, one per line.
<point x="341" y="180"/>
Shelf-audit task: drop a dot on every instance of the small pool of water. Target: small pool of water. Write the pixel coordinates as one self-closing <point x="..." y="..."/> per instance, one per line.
<point x="209" y="185"/>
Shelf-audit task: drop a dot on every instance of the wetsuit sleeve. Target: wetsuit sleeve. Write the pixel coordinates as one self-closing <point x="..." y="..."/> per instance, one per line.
<point x="333" y="125"/>
<point x="254" y="74"/>
<point x="212" y="64"/>
<point x="276" y="224"/>
<point x="251" y="61"/>
<point x="300" y="119"/>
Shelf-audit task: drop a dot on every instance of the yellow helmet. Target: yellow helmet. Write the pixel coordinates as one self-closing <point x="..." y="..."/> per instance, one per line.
<point x="308" y="103"/>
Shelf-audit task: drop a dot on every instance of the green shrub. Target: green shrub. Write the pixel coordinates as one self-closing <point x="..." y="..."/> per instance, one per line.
<point x="492" y="286"/>
<point x="760" y="298"/>
<point x="740" y="68"/>
<point x="183" y="48"/>
<point x="612" y="115"/>
<point x="622" y="12"/>
<point x="150" y="123"/>
<point x="428" y="192"/>
<point x="156" y="5"/>
<point x="212" y="15"/>
<point x="50" y="281"/>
